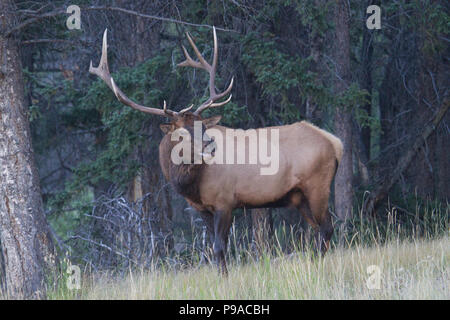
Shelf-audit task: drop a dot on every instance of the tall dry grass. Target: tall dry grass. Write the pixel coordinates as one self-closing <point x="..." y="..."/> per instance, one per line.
<point x="412" y="257"/>
<point x="409" y="270"/>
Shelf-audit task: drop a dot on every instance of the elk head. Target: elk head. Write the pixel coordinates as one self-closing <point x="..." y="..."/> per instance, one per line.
<point x="184" y="120"/>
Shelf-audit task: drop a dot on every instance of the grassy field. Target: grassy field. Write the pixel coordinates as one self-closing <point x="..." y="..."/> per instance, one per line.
<point x="414" y="269"/>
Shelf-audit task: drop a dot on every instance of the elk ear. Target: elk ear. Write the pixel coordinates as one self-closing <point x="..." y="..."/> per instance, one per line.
<point x="211" y="122"/>
<point x="166" y="127"/>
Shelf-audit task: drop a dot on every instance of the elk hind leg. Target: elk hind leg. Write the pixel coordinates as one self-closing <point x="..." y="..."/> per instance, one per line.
<point x="324" y="234"/>
<point x="307" y="216"/>
<point x="318" y="203"/>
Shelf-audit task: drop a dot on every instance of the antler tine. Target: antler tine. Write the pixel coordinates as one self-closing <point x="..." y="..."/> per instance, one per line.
<point x="212" y="77"/>
<point x="185" y="109"/>
<point x="203" y="64"/>
<point x="102" y="71"/>
<point x="189" y="62"/>
<point x="209" y="104"/>
<point x="219" y="104"/>
<point x="165" y="108"/>
<point x="202" y="60"/>
<point x="227" y="91"/>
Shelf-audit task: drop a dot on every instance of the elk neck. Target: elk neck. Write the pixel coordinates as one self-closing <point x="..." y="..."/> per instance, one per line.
<point x="185" y="178"/>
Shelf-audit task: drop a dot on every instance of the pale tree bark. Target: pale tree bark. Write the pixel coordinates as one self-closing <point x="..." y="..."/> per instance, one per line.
<point x="2" y="272"/>
<point x="25" y="238"/>
<point x="343" y="192"/>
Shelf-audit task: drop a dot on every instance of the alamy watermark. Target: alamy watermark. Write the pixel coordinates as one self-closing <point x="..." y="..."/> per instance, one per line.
<point x="373" y="282"/>
<point x="74" y="279"/>
<point x="374" y="20"/>
<point x="74" y="20"/>
<point x="229" y="146"/>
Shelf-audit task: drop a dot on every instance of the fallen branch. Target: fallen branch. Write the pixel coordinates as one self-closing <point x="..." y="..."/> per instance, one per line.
<point x="381" y="192"/>
<point x="102" y="245"/>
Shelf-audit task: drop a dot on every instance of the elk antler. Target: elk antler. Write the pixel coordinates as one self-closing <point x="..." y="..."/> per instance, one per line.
<point x="102" y="71"/>
<point x="202" y="64"/>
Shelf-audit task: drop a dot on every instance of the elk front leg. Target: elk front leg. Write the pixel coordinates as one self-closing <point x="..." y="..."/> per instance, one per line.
<point x="208" y="218"/>
<point x="222" y="223"/>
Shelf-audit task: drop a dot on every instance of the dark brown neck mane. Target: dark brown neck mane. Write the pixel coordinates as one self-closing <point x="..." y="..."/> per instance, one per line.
<point x="185" y="179"/>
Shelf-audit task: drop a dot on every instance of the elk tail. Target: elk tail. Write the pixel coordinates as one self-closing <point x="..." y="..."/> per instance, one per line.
<point x="338" y="149"/>
<point x="337" y="145"/>
<point x="335" y="141"/>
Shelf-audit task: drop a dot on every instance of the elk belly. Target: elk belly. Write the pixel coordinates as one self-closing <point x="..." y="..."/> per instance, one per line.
<point x="292" y="198"/>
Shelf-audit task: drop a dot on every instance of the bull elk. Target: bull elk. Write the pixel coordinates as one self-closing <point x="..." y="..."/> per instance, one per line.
<point x="308" y="160"/>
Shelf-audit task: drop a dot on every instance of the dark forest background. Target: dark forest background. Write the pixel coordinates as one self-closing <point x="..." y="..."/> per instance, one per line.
<point x="107" y="202"/>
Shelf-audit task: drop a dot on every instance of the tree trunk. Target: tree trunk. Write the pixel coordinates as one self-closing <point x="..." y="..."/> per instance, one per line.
<point x="2" y="271"/>
<point x="25" y="238"/>
<point x="316" y="43"/>
<point x="366" y="81"/>
<point x="362" y="136"/>
<point x="343" y="123"/>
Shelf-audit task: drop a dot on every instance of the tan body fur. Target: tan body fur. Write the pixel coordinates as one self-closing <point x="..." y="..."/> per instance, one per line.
<point x="307" y="164"/>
